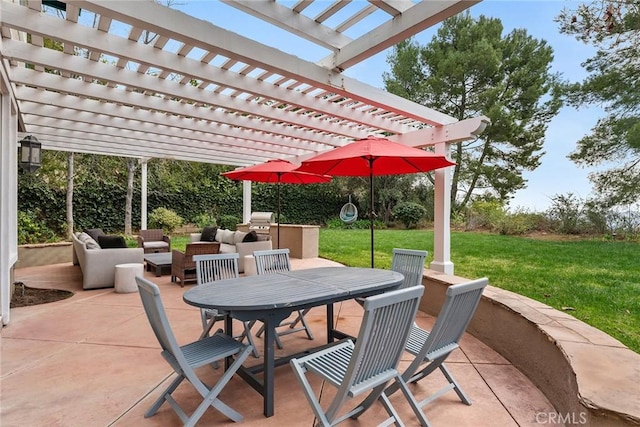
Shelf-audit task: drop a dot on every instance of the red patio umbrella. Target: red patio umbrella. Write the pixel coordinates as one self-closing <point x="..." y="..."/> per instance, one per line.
<point x="278" y="171"/>
<point x="374" y="156"/>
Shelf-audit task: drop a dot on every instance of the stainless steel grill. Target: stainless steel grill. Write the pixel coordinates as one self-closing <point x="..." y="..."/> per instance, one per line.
<point x="260" y="222"/>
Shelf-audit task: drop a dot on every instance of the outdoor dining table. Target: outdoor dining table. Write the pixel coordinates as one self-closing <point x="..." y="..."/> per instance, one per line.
<point x="272" y="298"/>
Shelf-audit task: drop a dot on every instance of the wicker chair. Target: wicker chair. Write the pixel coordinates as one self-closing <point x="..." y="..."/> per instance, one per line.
<point x="183" y="266"/>
<point x="154" y="240"/>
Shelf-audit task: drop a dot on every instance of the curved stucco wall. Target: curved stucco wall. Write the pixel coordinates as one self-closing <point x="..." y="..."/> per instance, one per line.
<point x="585" y="373"/>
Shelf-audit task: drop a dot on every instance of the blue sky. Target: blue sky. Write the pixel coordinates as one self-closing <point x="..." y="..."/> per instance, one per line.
<point x="557" y="174"/>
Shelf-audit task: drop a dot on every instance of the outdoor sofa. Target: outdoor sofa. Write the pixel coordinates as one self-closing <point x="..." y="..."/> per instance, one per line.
<point x="234" y="242"/>
<point x="98" y="264"/>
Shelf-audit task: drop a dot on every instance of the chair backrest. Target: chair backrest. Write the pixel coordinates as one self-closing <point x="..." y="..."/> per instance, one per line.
<point x="457" y="311"/>
<point x="272" y="261"/>
<point x="153" y="307"/>
<point x="152" y="235"/>
<point x="210" y="268"/>
<point x="410" y="263"/>
<point x="382" y="337"/>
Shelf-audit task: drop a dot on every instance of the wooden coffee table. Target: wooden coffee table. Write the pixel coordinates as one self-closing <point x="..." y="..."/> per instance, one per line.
<point x="158" y="261"/>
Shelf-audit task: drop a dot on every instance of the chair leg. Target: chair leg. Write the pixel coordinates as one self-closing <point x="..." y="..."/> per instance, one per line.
<point x="394" y="417"/>
<point x="247" y="333"/>
<point x="207" y="328"/>
<point x="211" y="395"/>
<point x="456" y="387"/>
<point x="300" y="318"/>
<point x="164" y="396"/>
<point x="415" y="405"/>
<point x="278" y="341"/>
<point x="300" y="372"/>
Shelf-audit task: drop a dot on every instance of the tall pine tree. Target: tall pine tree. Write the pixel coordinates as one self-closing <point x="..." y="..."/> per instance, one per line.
<point x="468" y="69"/>
<point x="614" y="143"/>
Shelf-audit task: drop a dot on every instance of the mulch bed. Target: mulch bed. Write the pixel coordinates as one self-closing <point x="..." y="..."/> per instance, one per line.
<point x="25" y="296"/>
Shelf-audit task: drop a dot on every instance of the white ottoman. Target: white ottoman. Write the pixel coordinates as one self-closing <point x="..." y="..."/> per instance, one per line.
<point x="250" y="266"/>
<point x="126" y="277"/>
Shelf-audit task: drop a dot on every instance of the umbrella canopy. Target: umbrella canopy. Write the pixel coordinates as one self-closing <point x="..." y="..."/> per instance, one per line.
<point x="372" y="157"/>
<point x="276" y="171"/>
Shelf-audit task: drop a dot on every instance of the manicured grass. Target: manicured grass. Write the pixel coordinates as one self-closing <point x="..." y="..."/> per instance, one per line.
<point x="595" y="281"/>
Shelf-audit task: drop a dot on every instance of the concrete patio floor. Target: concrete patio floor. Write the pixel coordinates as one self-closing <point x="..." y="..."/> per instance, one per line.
<point x="92" y="360"/>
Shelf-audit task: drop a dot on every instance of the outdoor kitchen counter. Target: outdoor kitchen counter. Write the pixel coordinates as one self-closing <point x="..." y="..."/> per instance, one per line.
<point x="302" y="240"/>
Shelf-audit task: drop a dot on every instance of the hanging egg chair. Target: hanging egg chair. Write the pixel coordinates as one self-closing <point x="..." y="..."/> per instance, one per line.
<point x="349" y="213"/>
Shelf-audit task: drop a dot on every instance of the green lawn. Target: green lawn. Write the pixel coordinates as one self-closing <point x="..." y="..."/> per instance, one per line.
<point x="595" y="281"/>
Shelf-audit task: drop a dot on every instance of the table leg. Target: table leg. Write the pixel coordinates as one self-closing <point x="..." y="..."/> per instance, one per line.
<point x="269" y="362"/>
<point x="330" y="325"/>
<point x="271" y="321"/>
<point x="228" y="329"/>
<point x="158" y="270"/>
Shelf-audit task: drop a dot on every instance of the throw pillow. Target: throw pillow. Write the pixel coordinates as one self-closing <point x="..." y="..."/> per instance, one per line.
<point x="227" y="237"/>
<point x="219" y="234"/>
<point x="88" y="241"/>
<point x="111" y="242"/>
<point x="94" y="233"/>
<point x="208" y="234"/>
<point x="238" y="237"/>
<point x="251" y="236"/>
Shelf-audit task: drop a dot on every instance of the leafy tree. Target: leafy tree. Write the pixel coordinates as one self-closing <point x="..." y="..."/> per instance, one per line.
<point x="614" y="28"/>
<point x="469" y="69"/>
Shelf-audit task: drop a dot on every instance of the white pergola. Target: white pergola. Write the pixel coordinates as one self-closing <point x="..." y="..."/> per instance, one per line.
<point x="142" y="80"/>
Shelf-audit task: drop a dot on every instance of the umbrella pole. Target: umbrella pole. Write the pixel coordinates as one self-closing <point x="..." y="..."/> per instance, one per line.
<point x="371" y="206"/>
<point x="278" y="219"/>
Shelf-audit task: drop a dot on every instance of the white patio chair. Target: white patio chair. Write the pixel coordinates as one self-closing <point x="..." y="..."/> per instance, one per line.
<point x="409" y="262"/>
<point x="369" y="365"/>
<point x="274" y="261"/>
<point x="184" y="359"/>
<point x="432" y="348"/>
<point x="210" y="268"/>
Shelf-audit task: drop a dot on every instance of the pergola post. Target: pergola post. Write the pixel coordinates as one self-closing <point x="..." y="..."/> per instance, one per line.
<point x="8" y="195"/>
<point x="442" y="215"/>
<point x="246" y="201"/>
<point x="143" y="194"/>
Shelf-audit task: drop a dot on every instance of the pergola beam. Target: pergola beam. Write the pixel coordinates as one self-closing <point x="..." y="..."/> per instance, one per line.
<point x="187" y="29"/>
<point x="392" y="32"/>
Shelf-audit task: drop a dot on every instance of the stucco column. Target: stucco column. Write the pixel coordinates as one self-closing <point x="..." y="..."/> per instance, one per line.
<point x="143" y="194"/>
<point x="442" y="215"/>
<point x="246" y="201"/>
<point x="8" y="197"/>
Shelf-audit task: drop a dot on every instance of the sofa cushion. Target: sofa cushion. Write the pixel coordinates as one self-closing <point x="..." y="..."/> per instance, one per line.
<point x="88" y="241"/>
<point x="111" y="242"/>
<point x="251" y="236"/>
<point x="155" y="245"/>
<point x="224" y="236"/>
<point x="208" y="234"/>
<point x="238" y="236"/>
<point x="94" y="233"/>
<point x="226" y="248"/>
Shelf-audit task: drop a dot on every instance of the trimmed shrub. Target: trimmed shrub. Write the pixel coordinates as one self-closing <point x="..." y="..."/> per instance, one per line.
<point x="204" y="219"/>
<point x="409" y="213"/>
<point x="164" y="218"/>
<point x="230" y="222"/>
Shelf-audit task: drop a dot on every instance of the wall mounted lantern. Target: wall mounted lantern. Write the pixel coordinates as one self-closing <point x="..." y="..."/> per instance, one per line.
<point x="30" y="153"/>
